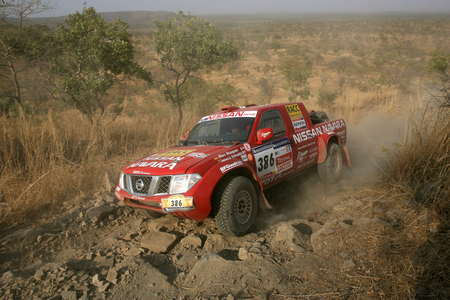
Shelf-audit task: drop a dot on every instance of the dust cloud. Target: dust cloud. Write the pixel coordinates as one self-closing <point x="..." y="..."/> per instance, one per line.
<point x="367" y="142"/>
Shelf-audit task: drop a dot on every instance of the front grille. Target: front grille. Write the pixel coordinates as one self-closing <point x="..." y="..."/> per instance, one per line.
<point x="146" y="185"/>
<point x="164" y="183"/>
<point x="140" y="184"/>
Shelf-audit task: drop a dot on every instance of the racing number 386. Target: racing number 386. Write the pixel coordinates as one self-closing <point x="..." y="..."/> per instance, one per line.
<point x="265" y="162"/>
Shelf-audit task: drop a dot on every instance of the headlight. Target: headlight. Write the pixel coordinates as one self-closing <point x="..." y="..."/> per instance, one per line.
<point x="121" y="180"/>
<point x="182" y="183"/>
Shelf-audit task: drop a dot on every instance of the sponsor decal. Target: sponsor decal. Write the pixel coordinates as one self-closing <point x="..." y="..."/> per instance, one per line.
<point x="177" y="203"/>
<point x="236" y="114"/>
<point x="265" y="134"/>
<point x="305" y="164"/>
<point x="313" y="150"/>
<point x="137" y="197"/>
<point x="250" y="157"/>
<point x="299" y="124"/>
<point x="197" y="155"/>
<point x="244" y="157"/>
<point x="158" y="157"/>
<point x="247" y="147"/>
<point x="180" y="152"/>
<point x="140" y="172"/>
<point x="294" y="111"/>
<point x="301" y="154"/>
<point x="227" y="168"/>
<point x="118" y="188"/>
<point x="231" y="154"/>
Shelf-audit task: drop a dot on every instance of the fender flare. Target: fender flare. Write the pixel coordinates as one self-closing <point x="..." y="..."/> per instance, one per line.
<point x="322" y="142"/>
<point x="217" y="173"/>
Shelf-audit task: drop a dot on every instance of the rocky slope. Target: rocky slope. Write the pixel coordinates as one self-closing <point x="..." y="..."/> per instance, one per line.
<point x="310" y="246"/>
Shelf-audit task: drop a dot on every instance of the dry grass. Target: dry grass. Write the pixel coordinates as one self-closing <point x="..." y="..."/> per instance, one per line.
<point x="412" y="256"/>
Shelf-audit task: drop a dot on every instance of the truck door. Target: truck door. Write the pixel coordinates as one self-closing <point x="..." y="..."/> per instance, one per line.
<point x="274" y="158"/>
<point x="305" y="138"/>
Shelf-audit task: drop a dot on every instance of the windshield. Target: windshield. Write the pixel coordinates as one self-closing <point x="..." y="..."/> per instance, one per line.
<point x="221" y="131"/>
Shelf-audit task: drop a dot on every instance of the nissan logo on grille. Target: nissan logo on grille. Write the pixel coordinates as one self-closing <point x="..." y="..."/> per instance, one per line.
<point x="139" y="184"/>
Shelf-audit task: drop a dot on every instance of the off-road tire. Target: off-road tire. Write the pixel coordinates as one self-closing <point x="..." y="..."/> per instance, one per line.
<point x="331" y="169"/>
<point x="235" y="206"/>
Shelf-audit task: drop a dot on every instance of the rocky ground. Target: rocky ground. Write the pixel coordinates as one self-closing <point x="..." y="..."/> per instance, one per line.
<point x="310" y="246"/>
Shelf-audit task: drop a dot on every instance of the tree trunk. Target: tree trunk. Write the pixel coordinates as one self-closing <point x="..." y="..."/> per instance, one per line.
<point x="16" y="84"/>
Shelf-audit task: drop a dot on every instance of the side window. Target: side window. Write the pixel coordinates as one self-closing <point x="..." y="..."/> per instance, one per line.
<point x="272" y="119"/>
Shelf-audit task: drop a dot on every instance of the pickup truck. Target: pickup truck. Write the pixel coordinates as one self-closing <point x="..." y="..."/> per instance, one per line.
<point x="222" y="167"/>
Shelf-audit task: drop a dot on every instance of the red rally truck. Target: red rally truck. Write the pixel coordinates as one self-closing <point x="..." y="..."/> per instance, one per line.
<point x="224" y="164"/>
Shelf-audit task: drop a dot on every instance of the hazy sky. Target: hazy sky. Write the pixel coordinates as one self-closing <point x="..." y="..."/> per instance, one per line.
<point x="202" y="7"/>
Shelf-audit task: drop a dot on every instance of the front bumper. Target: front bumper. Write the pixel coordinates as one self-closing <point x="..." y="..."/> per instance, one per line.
<point x="200" y="194"/>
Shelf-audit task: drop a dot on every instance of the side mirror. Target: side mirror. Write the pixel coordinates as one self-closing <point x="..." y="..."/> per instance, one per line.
<point x="181" y="141"/>
<point x="264" y="135"/>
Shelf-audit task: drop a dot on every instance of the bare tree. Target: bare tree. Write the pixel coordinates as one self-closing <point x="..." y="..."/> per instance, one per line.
<point x="12" y="37"/>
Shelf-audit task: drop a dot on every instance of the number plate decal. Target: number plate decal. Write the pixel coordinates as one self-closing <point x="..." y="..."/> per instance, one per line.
<point x="177" y="203"/>
<point x="273" y="158"/>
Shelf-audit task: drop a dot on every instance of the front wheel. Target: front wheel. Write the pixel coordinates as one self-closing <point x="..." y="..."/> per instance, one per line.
<point x="331" y="169"/>
<point x="235" y="206"/>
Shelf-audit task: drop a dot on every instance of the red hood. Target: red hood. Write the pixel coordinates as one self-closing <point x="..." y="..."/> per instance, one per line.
<point x="178" y="160"/>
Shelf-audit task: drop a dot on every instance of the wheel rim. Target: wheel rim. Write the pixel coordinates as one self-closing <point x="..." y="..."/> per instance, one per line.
<point x="243" y="207"/>
<point x="335" y="163"/>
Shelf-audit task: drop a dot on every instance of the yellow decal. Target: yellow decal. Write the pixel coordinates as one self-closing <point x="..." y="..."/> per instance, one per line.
<point x="177" y="203"/>
<point x="294" y="111"/>
<point x="176" y="152"/>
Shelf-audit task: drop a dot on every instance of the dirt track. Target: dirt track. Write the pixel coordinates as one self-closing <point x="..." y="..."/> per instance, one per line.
<point x="309" y="244"/>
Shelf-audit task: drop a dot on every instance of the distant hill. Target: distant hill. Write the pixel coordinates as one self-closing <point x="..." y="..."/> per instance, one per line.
<point x="135" y="19"/>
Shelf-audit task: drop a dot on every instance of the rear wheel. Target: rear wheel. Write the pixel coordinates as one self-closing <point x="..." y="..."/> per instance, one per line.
<point x="331" y="169"/>
<point x="235" y="206"/>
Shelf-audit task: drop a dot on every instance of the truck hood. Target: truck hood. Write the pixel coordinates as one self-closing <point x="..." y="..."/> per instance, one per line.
<point x="178" y="160"/>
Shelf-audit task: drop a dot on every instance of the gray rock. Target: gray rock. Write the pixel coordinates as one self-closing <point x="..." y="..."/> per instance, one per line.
<point x="39" y="274"/>
<point x="290" y="236"/>
<point x="95" y="280"/>
<point x="111" y="276"/>
<point x="243" y="254"/>
<point x="158" y="242"/>
<point x="7" y="277"/>
<point x="99" y="213"/>
<point x="339" y="208"/>
<point x="134" y="251"/>
<point x="192" y="241"/>
<point x="69" y="295"/>
<point x="348" y="264"/>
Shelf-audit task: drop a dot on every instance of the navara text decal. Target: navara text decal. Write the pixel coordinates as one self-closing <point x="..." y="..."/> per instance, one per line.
<point x="237" y="114"/>
<point x="153" y="164"/>
<point x="317" y="131"/>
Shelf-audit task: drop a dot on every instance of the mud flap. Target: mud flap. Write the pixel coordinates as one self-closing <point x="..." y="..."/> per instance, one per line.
<point x="263" y="204"/>
<point x="346" y="156"/>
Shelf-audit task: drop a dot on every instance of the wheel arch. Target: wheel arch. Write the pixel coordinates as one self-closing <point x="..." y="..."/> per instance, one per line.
<point x="324" y="142"/>
<point x="250" y="175"/>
